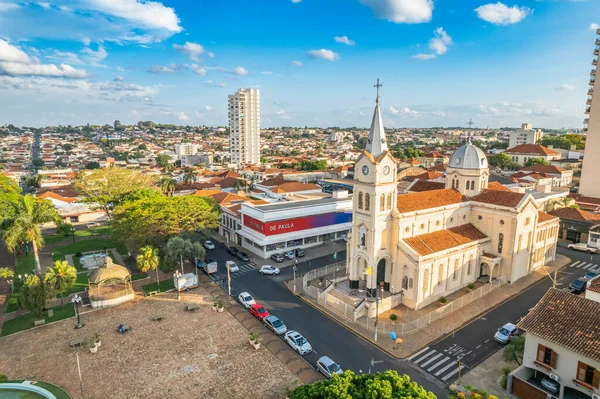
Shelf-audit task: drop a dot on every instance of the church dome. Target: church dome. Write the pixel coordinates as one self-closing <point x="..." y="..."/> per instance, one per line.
<point x="468" y="156"/>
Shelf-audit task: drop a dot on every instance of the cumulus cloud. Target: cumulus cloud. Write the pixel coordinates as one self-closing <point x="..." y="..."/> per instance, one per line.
<point x="198" y="70"/>
<point x="94" y="57"/>
<point x="210" y="54"/>
<point x="401" y="11"/>
<point x="594" y="26"/>
<point x="240" y="71"/>
<point x="564" y="87"/>
<point x="208" y="108"/>
<point x="324" y="54"/>
<point x="8" y="6"/>
<point x="297" y="63"/>
<point x="182" y="116"/>
<point x="423" y="57"/>
<point x="403" y="111"/>
<point x="192" y="50"/>
<point x="171" y="68"/>
<point x="500" y="14"/>
<point x="345" y="40"/>
<point x="215" y="84"/>
<point x="118" y="78"/>
<point x="150" y="14"/>
<point x="440" y="41"/>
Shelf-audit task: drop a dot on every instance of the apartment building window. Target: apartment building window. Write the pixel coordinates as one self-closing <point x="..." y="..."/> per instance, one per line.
<point x="546" y="356"/>
<point x="588" y="375"/>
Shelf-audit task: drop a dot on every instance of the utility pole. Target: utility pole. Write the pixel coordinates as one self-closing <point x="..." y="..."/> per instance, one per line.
<point x="79" y="371"/>
<point x="294" y="269"/>
<point x="376" y="314"/>
<point x="228" y="280"/>
<point x="458" y="365"/>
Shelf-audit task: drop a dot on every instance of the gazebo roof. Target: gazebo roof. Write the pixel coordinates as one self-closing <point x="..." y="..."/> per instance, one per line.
<point x="108" y="271"/>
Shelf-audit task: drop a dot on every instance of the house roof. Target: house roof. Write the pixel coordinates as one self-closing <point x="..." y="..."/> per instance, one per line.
<point x="544" y="217"/>
<point x="274" y="181"/>
<point x="594" y="285"/>
<point x="544" y="169"/>
<point x="428" y="199"/>
<point x="575" y="214"/>
<point x="426" y="244"/>
<point x="499" y="197"/>
<point x="292" y="187"/>
<point x="424" y="185"/>
<point x="424" y="176"/>
<point x="585" y="200"/>
<point x="207" y="193"/>
<point x="568" y="320"/>
<point x="531" y="149"/>
<point x="64" y="191"/>
<point x="498" y="187"/>
<point x="51" y="195"/>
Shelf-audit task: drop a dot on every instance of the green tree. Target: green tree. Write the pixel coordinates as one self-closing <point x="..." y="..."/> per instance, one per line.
<point x="10" y="195"/>
<point x="34" y="181"/>
<point x="514" y="350"/>
<point x="142" y="147"/>
<point x="164" y="161"/>
<point x="536" y="161"/>
<point x="60" y="278"/>
<point x="168" y="186"/>
<point x="178" y="248"/>
<point x="64" y="229"/>
<point x="501" y="160"/>
<point x="148" y="259"/>
<point x="349" y="385"/>
<point x="67" y="147"/>
<point x="31" y="212"/>
<point x="7" y="274"/>
<point x="38" y="163"/>
<point x="92" y="165"/>
<point x="32" y="295"/>
<point x="189" y="176"/>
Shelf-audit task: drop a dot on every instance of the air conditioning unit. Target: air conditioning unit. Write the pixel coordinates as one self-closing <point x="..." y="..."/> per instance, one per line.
<point x="555" y="377"/>
<point x="595" y="396"/>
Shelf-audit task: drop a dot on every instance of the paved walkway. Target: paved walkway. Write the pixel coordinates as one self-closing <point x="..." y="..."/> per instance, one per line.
<point x="487" y="376"/>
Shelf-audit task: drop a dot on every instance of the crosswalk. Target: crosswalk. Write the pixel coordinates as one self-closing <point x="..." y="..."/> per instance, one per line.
<point x="222" y="272"/>
<point x="589" y="266"/>
<point x="442" y="364"/>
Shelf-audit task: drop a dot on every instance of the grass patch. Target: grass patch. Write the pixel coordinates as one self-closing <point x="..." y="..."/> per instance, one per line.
<point x="164" y="286"/>
<point x="59" y="393"/>
<point x="93" y="244"/>
<point x="25" y="322"/>
<point x="138" y="276"/>
<point x="86" y="233"/>
<point x="11" y="303"/>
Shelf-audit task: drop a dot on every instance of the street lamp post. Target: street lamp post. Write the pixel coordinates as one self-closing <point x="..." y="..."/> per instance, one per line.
<point x="130" y="261"/>
<point x="73" y="232"/>
<point x="76" y="300"/>
<point x="294" y="270"/>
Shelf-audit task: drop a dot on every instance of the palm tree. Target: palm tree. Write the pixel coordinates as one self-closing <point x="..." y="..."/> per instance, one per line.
<point x="343" y="159"/>
<point x="31" y="213"/>
<point x="148" y="260"/>
<point x="188" y="176"/>
<point x="168" y="186"/>
<point x="60" y="278"/>
<point x="8" y="274"/>
<point x="514" y="351"/>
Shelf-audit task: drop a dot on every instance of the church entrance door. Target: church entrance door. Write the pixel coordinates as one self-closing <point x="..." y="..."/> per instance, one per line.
<point x="381" y="275"/>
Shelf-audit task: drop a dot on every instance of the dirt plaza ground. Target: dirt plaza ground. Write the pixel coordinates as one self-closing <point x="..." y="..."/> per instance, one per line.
<point x="201" y="354"/>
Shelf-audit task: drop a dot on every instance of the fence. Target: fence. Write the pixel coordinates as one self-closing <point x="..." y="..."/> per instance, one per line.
<point x="346" y="310"/>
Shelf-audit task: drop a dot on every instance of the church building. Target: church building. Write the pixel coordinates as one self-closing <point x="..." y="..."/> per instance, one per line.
<point x="426" y="245"/>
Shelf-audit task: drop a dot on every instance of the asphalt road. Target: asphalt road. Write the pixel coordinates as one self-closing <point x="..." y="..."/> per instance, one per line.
<point x="474" y="342"/>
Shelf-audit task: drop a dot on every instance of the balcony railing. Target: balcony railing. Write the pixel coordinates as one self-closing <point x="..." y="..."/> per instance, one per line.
<point x="586" y="121"/>
<point x="595" y="62"/>
<point x="587" y="110"/>
<point x="593" y="72"/>
<point x="589" y="101"/>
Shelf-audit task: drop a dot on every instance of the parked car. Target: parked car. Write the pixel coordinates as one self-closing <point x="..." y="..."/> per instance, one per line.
<point x="550" y="385"/>
<point x="578" y="286"/>
<point x="270" y="270"/>
<point x="328" y="367"/>
<point x="289" y="254"/>
<point x="299" y="253"/>
<point x="232" y="266"/>
<point x="258" y="311"/>
<point x="590" y="275"/>
<point x="246" y="300"/>
<point x="243" y="256"/>
<point x="297" y="342"/>
<point x="274" y="324"/>
<point x="583" y="247"/>
<point x="277" y="258"/>
<point x="233" y="250"/>
<point x="505" y="333"/>
<point x="208" y="244"/>
<point x="92" y="224"/>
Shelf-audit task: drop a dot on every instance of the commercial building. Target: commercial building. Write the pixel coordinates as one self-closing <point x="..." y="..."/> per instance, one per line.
<point x="244" y="126"/>
<point x="276" y="228"/>
<point x="590" y="178"/>
<point x="186" y="149"/>
<point x="527" y="135"/>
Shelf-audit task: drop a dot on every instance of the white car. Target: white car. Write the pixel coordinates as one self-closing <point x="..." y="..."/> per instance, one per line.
<point x="92" y="224"/>
<point x="246" y="300"/>
<point x="270" y="270"/>
<point x="583" y="247"/>
<point x="505" y="333"/>
<point x="297" y="342"/>
<point x="208" y="244"/>
<point x="232" y="266"/>
<point x="291" y="254"/>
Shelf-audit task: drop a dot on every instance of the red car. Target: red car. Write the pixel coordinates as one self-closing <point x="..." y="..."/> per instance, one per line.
<point x="258" y="311"/>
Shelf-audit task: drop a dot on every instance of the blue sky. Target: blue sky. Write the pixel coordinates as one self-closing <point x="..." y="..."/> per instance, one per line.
<point x="315" y="61"/>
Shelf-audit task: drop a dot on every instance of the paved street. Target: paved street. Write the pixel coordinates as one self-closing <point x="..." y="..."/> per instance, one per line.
<point x="474" y="343"/>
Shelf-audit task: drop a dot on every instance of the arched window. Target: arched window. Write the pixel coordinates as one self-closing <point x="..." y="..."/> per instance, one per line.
<point x="405" y="277"/>
<point x="472" y="184"/>
<point x="440" y="274"/>
<point x="455" y="275"/>
<point x="410" y="283"/>
<point x="367" y="202"/>
<point x="425" y="280"/>
<point x="363" y="236"/>
<point x="360" y="200"/>
<point x="457" y="181"/>
<point x="382" y="203"/>
<point x="469" y="265"/>
<point x="519" y="242"/>
<point x="453" y="183"/>
<point x="389" y="201"/>
<point x="500" y="242"/>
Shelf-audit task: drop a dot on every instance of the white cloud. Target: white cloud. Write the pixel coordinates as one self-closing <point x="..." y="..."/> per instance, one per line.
<point x="210" y="54"/>
<point x="208" y="108"/>
<point x="182" y="117"/>
<point x="297" y="63"/>
<point x="296" y="1"/>
<point x="118" y="78"/>
<point x="424" y="57"/>
<point x="240" y="71"/>
<point x="198" y="70"/>
<point x="345" y="40"/>
<point x="94" y="57"/>
<point x="440" y="41"/>
<point x="150" y="14"/>
<point x="594" y="26"/>
<point x="44" y="5"/>
<point x="86" y="41"/>
<point x="403" y="111"/>
<point x="266" y="73"/>
<point x="215" y="84"/>
<point x="171" y="68"/>
<point x="192" y="50"/>
<point x="500" y="14"/>
<point x="65" y="56"/>
<point x="8" y="6"/>
<point x="11" y="53"/>
<point x="564" y="87"/>
<point x="401" y="11"/>
<point x="324" y="54"/>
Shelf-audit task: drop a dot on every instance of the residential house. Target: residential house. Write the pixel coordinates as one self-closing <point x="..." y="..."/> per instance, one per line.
<point x="576" y="224"/>
<point x="524" y="152"/>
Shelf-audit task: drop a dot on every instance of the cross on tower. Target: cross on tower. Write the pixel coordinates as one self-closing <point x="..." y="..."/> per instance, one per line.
<point x="470" y="123"/>
<point x="377" y="86"/>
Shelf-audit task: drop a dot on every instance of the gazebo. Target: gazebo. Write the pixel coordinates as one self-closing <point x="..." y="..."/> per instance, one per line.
<point x="109" y="285"/>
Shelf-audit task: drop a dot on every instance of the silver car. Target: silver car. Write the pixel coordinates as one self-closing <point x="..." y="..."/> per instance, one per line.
<point x="328" y="367"/>
<point x="550" y="384"/>
<point x="274" y="324"/>
<point x="297" y="342"/>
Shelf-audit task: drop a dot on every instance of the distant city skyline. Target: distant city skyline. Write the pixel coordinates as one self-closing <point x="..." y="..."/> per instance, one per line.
<point x="315" y="62"/>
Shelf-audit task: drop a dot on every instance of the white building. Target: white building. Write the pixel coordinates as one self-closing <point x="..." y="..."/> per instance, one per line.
<point x="527" y="135"/>
<point x="524" y="152"/>
<point x="244" y="126"/>
<point x="186" y="149"/>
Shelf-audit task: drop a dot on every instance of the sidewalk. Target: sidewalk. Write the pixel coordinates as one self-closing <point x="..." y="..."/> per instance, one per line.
<point x="413" y="342"/>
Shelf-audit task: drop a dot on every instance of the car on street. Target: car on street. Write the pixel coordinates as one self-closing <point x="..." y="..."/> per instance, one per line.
<point x="277" y="258"/>
<point x="583" y="247"/>
<point x="289" y="254"/>
<point x="297" y="342"/>
<point x="550" y="385"/>
<point x="270" y="270"/>
<point x="246" y="299"/>
<point x="257" y="310"/>
<point x="208" y="244"/>
<point x="233" y="250"/>
<point x="232" y="266"/>
<point x="504" y="334"/>
<point x="243" y="256"/>
<point x="578" y="286"/>
<point x="590" y="275"/>
<point x="90" y="225"/>
<point x="274" y="324"/>
<point x="328" y="367"/>
<point x="299" y="253"/>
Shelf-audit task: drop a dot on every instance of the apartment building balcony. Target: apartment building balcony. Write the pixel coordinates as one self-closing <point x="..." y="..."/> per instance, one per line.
<point x="593" y="72"/>
<point x="597" y="49"/>
<point x="585" y="129"/>
<point x="586" y="121"/>
<point x="590" y="91"/>
<point x="587" y="110"/>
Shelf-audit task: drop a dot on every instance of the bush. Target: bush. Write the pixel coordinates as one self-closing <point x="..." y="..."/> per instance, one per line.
<point x="443" y="299"/>
<point x="503" y="381"/>
<point x="506" y="371"/>
<point x="393" y="317"/>
<point x="78" y="255"/>
<point x="64" y="229"/>
<point x="3" y="378"/>
<point x="471" y="286"/>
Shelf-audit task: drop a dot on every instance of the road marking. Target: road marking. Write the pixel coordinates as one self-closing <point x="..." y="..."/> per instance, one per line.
<point x="588" y="265"/>
<point x="444" y="378"/>
<point x="426" y="355"/>
<point x="445" y="368"/>
<point x="595" y="270"/>
<point x="578" y="266"/>
<point x="478" y="346"/>
<point x="575" y="263"/>
<point x="437" y="364"/>
<point x="418" y="353"/>
<point x="487" y="341"/>
<point x="431" y="360"/>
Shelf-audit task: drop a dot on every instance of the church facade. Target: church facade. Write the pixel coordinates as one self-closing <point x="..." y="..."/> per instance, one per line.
<point x="426" y="245"/>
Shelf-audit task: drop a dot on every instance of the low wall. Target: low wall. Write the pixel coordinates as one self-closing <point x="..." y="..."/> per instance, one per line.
<point x="27" y="387"/>
<point x="98" y="303"/>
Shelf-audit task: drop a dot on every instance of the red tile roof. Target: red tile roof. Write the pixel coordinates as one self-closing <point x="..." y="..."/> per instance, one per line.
<point x="423" y="185"/>
<point x="531" y="149"/>
<point x="498" y="187"/>
<point x="575" y="214"/>
<point x="498" y="197"/>
<point x="544" y="169"/>
<point x="428" y="199"/>
<point x="292" y="187"/>
<point x="544" y="217"/>
<point x="441" y="240"/>
<point x="424" y="176"/>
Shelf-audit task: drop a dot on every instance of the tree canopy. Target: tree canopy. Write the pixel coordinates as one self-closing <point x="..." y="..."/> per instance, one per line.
<point x="386" y="385"/>
<point x="502" y="161"/>
<point x="536" y="161"/>
<point x="32" y="295"/>
<point x="10" y="194"/>
<point x="564" y="141"/>
<point x="92" y="165"/>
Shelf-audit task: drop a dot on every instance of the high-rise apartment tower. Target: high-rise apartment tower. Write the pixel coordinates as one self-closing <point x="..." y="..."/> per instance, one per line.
<point x="244" y="126"/>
